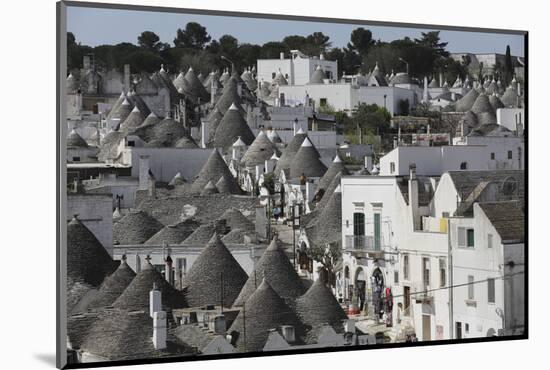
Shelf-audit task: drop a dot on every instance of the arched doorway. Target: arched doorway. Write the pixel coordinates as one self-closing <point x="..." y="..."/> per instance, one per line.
<point x="360" y="287"/>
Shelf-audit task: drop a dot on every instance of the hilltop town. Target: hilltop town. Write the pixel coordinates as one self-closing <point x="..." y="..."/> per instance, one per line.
<point x="288" y="204"/>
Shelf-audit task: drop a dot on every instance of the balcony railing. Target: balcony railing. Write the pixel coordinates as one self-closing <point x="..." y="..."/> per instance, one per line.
<point x="364" y="243"/>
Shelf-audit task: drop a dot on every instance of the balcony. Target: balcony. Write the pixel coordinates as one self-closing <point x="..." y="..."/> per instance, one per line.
<point x="365" y="244"/>
<point x="422" y="293"/>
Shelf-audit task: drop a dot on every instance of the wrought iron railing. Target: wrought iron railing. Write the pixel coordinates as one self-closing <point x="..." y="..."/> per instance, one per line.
<point x="367" y="243"/>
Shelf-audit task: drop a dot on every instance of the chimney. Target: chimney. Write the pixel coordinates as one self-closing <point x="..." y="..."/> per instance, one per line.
<point x="310" y="193"/>
<point x="440" y="79"/>
<point x="425" y="91"/>
<point x="168" y="270"/>
<point x="368" y="163"/>
<point x="143" y="172"/>
<point x="159" y="330"/>
<point x="321" y="56"/>
<point x="282" y="55"/>
<point x="213" y="91"/>
<point x="282" y="99"/>
<point x="288" y="333"/>
<point x="204" y="134"/>
<point x="127" y="77"/>
<point x="349" y="326"/>
<point x="413" y="196"/>
<point x="395" y="142"/>
<point x="152" y="186"/>
<point x="138" y="263"/>
<point x="155" y="300"/>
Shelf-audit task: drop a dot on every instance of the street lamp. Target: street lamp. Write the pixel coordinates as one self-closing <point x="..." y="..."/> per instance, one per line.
<point x="230" y="61"/>
<point x="407" y="63"/>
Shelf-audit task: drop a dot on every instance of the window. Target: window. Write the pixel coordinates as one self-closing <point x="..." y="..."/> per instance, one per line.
<point x="392" y="167"/>
<point x="489" y="240"/>
<point x="131" y="143"/>
<point x="426" y="271"/>
<point x="491" y="290"/>
<point x="358" y="229"/>
<point x="470" y="287"/>
<point x="273" y="75"/>
<point x="465" y="237"/>
<point x="461" y="235"/>
<point x="466" y="328"/>
<point x="377" y="227"/>
<point x="76" y="159"/>
<point x="323" y="102"/>
<point x="493" y="156"/>
<point x="470" y="238"/>
<point x="442" y="272"/>
<point x="406" y="267"/>
<point x="396" y="277"/>
<point x="509" y="154"/>
<point x="464" y="166"/>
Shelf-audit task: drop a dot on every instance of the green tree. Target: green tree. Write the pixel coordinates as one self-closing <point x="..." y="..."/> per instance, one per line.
<point x="508" y="66"/>
<point x="295" y="42"/>
<point x="317" y="43"/>
<point x="433" y="41"/>
<point x="194" y="36"/>
<point x="361" y="40"/>
<point x="149" y="41"/>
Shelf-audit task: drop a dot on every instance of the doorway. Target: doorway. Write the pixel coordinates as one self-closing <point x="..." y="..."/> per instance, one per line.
<point x="426" y="327"/>
<point x="458" y="330"/>
<point x="406" y="300"/>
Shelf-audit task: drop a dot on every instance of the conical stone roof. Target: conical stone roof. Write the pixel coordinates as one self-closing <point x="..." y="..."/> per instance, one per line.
<point x="123" y="111"/>
<point x="132" y="122"/>
<point x="236" y="220"/>
<point x="328" y="225"/>
<point x="174" y="234"/>
<point x="117" y="104"/>
<point x="231" y="127"/>
<point x="177" y="180"/>
<point x="113" y="286"/>
<point x="150" y="120"/>
<point x="510" y="98"/>
<point x="214" y="266"/>
<point x="264" y="310"/>
<point x="318" y="307"/>
<point x="75" y="140"/>
<point x="335" y="167"/>
<point x="318" y="76"/>
<point x="135" y="228"/>
<point x="495" y="102"/>
<point x="136" y="295"/>
<point x="194" y="87"/>
<point x="186" y="142"/>
<point x="307" y="162"/>
<point x="465" y="103"/>
<point x="274" y="137"/>
<point x="204" y="233"/>
<point x="289" y="152"/>
<point x="334" y="184"/>
<point x="137" y="101"/>
<point x="210" y="188"/>
<point x="259" y="151"/>
<point x="482" y="105"/>
<point x="229" y="97"/>
<point x="87" y="260"/>
<point x="274" y="266"/>
<point x="227" y="185"/>
<point x="121" y="335"/>
<point x="213" y="169"/>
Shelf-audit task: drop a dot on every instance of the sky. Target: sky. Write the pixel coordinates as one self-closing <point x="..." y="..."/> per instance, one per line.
<point x="93" y="26"/>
